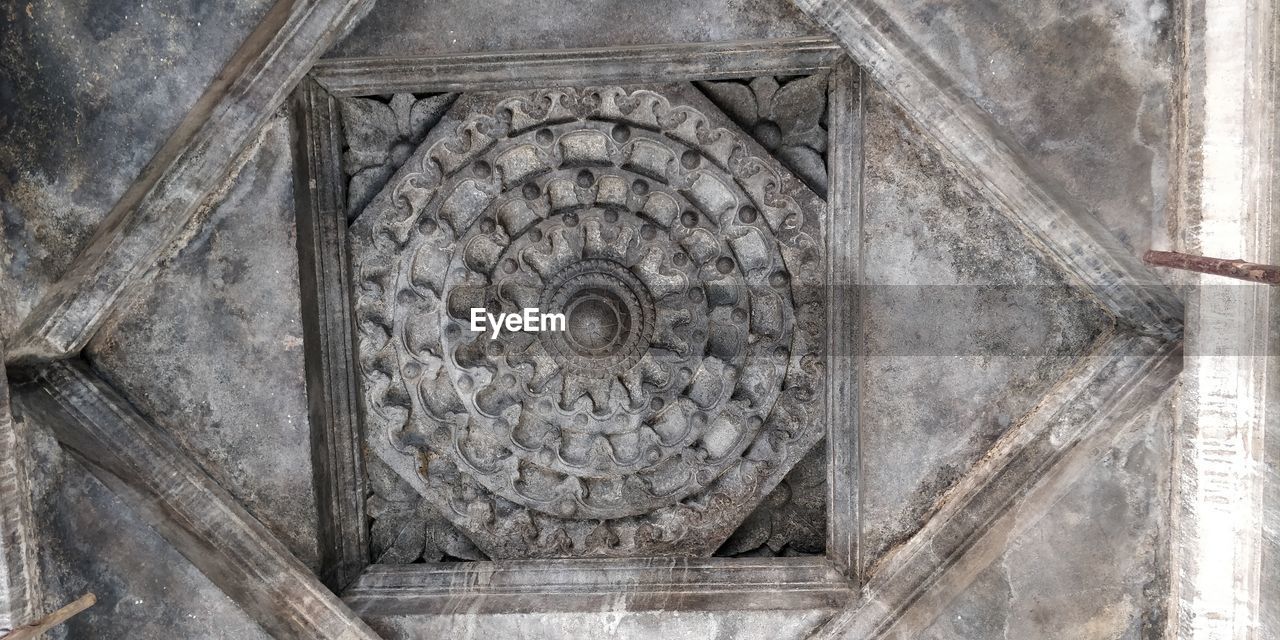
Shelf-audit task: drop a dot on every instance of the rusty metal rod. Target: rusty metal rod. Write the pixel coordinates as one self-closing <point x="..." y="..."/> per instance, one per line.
<point x="1238" y="269"/>
<point x="37" y="628"/>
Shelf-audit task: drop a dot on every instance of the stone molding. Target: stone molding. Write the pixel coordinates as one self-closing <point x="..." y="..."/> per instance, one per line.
<point x="644" y="584"/>
<point x="650" y="64"/>
<point x="332" y="387"/>
<point x="844" y="260"/>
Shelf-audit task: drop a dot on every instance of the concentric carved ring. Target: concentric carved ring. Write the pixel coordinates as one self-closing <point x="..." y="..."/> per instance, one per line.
<point x="609" y="316"/>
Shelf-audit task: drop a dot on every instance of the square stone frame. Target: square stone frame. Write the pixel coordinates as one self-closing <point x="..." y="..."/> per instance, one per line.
<point x="825" y="582"/>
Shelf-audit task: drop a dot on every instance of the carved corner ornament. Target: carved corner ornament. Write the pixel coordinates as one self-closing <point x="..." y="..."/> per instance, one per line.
<point x="690" y="267"/>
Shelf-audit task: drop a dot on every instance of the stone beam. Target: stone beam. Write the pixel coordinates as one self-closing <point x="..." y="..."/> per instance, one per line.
<point x="1226" y="525"/>
<point x="184" y="176"/>
<point x="575" y="67"/>
<point x="616" y="586"/>
<point x="844" y="274"/>
<point x="1124" y="376"/>
<point x="1070" y="236"/>
<point x="19" y="571"/>
<point x="147" y="469"/>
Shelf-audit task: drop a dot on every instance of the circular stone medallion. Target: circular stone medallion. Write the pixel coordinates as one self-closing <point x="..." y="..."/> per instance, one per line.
<point x="673" y="257"/>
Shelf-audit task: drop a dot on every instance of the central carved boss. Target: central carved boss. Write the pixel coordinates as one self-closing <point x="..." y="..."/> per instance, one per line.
<point x="689" y="267"/>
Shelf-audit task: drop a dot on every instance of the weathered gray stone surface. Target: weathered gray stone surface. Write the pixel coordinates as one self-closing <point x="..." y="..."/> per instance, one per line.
<point x="1096" y="566"/>
<point x="91" y="541"/>
<point x="148" y="469"/>
<point x="89" y="91"/>
<point x="213" y="352"/>
<point x="406" y="27"/>
<point x="953" y="363"/>
<point x="1083" y="87"/>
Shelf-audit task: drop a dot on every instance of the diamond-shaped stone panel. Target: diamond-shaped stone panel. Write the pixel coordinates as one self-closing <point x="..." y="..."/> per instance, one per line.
<point x="688" y="264"/>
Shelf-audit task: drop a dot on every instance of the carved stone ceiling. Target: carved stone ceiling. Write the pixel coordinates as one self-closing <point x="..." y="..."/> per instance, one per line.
<point x="683" y="231"/>
<point x="688" y="263"/>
